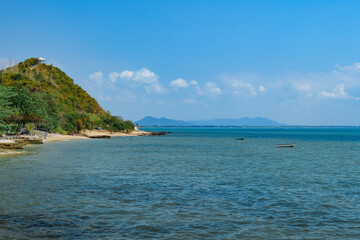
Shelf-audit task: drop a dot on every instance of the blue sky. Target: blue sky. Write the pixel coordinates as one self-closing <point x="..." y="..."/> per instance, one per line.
<point x="295" y="62"/>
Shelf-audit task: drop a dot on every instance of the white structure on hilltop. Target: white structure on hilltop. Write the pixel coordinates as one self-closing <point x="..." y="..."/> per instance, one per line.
<point x="42" y="60"/>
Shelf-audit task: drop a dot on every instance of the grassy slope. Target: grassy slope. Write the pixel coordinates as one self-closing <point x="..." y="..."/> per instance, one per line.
<point x="50" y="79"/>
<point x="71" y="99"/>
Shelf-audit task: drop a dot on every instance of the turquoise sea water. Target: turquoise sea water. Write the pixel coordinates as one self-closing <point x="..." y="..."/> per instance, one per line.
<point x="195" y="183"/>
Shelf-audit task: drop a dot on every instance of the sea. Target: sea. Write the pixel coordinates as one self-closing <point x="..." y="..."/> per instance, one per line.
<point x="193" y="183"/>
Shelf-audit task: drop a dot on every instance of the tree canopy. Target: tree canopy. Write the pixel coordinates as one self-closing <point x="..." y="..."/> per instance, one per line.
<point x="41" y="94"/>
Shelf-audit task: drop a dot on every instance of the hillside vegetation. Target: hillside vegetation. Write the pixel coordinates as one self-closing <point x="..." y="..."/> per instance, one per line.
<point x="40" y="95"/>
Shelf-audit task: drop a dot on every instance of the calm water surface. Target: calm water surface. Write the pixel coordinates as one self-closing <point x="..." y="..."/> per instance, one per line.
<point x="192" y="184"/>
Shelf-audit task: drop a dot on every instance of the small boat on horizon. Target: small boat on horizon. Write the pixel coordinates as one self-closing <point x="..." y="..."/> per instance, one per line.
<point x="285" y="145"/>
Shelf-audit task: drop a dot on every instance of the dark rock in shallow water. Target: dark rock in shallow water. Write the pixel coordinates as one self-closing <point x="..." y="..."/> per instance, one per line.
<point x="158" y="133"/>
<point x="33" y="141"/>
<point x="20" y="143"/>
<point x="100" y="136"/>
<point x="14" y="145"/>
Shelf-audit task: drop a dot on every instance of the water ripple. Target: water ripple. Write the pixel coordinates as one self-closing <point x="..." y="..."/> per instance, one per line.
<point x="199" y="184"/>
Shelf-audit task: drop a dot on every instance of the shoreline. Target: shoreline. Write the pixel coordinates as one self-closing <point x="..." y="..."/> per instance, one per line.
<point x="87" y="134"/>
<point x="4" y="153"/>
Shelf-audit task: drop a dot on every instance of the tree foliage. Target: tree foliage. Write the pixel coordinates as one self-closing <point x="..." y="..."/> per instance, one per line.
<point x="6" y="108"/>
<point x="44" y="95"/>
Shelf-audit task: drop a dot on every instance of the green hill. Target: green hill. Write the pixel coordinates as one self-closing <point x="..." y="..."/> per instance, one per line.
<point x="41" y="95"/>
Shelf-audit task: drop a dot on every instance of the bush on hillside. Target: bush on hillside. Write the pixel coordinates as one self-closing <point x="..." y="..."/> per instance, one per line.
<point x="47" y="97"/>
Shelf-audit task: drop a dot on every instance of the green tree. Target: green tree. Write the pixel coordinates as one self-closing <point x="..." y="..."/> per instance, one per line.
<point x="45" y="96"/>
<point x="128" y="126"/>
<point x="31" y="108"/>
<point x="6" y="108"/>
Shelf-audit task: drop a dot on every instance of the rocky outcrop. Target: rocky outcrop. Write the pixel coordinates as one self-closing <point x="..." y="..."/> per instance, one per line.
<point x="19" y="143"/>
<point x="99" y="136"/>
<point x="158" y="133"/>
<point x="10" y="144"/>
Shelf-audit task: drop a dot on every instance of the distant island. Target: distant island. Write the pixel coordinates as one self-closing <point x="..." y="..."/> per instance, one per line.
<point x="221" y="122"/>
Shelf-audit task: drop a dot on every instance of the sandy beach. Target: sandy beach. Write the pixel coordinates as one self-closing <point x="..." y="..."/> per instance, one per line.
<point x="54" y="137"/>
<point x="8" y="153"/>
<point x="115" y="134"/>
<point x="87" y="134"/>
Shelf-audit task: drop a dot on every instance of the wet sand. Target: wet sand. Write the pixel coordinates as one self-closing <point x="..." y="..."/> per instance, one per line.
<point x="87" y="133"/>
<point x="53" y="137"/>
<point x="4" y="152"/>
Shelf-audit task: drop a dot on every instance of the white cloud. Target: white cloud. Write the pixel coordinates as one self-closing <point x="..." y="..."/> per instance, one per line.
<point x="337" y="92"/>
<point x="261" y="88"/>
<point x="155" y="88"/>
<point x="244" y="85"/>
<point x="97" y="77"/>
<point x="211" y="88"/>
<point x="243" y="88"/>
<point x="179" y="83"/>
<point x="144" y="75"/>
<point x="113" y="76"/>
<point x="321" y="84"/>
<point x="302" y="86"/>
<point x="122" y="75"/>
<point x="126" y="74"/>
<point x="197" y="87"/>
<point x="351" y="68"/>
<point x="193" y="83"/>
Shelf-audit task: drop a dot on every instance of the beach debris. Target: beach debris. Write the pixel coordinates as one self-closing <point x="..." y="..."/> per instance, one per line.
<point x="240" y="139"/>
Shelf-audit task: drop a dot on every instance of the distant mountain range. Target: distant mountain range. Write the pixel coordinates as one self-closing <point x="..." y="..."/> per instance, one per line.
<point x="251" y="122"/>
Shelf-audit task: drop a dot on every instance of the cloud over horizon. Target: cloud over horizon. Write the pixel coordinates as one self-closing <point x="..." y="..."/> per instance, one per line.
<point x="279" y="91"/>
<point x="337" y="92"/>
<point x="291" y="84"/>
<point x="179" y="83"/>
<point x="144" y="78"/>
<point x="143" y="75"/>
<point x="351" y="68"/>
